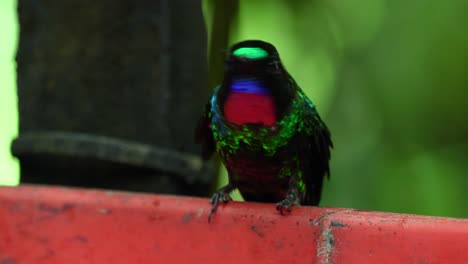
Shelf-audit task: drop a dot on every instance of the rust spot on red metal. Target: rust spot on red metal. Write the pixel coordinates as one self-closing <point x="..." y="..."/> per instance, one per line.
<point x="257" y="231"/>
<point x="81" y="238"/>
<point x="7" y="261"/>
<point x="187" y="217"/>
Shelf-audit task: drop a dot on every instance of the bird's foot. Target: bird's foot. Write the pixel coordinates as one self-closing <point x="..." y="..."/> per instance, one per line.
<point x="291" y="199"/>
<point x="222" y="195"/>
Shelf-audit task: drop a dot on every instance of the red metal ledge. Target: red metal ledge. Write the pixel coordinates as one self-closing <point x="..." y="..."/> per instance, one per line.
<point x="63" y="225"/>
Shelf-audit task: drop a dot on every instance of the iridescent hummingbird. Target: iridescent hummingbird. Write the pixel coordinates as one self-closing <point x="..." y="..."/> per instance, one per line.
<point x="266" y="131"/>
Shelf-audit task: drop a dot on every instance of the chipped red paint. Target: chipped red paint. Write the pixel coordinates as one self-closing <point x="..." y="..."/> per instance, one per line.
<point x="64" y="225"/>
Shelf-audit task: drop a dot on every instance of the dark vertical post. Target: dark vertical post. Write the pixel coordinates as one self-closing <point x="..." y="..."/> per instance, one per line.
<point x="109" y="92"/>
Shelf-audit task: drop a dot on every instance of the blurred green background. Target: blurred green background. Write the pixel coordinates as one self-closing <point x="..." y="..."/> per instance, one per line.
<point x="9" y="167"/>
<point x="390" y="79"/>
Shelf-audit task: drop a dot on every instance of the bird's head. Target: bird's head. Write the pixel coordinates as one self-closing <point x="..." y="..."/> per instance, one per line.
<point x="253" y="58"/>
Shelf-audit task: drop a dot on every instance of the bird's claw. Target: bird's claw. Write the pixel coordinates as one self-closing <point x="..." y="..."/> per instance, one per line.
<point x="284" y="206"/>
<point x="219" y="196"/>
<point x="290" y="200"/>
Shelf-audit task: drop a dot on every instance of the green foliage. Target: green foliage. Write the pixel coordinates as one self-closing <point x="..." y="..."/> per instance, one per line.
<point x="9" y="169"/>
<point x="390" y="79"/>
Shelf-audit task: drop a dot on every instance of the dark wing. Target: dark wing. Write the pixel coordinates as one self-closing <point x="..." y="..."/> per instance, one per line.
<point x="315" y="158"/>
<point x="204" y="135"/>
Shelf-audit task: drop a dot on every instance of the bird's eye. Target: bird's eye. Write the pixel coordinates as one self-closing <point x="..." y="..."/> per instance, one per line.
<point x="274" y="67"/>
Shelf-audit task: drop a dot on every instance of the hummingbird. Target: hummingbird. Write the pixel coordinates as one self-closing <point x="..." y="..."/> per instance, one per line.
<point x="266" y="131"/>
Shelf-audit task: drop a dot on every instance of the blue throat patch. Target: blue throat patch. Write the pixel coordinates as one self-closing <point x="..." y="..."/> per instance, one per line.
<point x="251" y="86"/>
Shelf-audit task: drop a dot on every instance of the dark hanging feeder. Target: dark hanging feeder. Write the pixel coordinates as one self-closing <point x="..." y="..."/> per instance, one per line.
<point x="109" y="93"/>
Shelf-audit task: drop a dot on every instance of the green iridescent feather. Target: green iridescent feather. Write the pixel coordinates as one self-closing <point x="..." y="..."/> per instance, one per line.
<point x="228" y="136"/>
<point x="301" y="118"/>
<point x="251" y="53"/>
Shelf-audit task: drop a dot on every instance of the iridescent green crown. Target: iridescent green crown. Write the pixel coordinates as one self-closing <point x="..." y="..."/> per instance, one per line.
<point x="253" y="53"/>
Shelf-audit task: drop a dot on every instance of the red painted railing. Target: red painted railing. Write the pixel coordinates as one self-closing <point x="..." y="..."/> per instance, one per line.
<point x="64" y="225"/>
